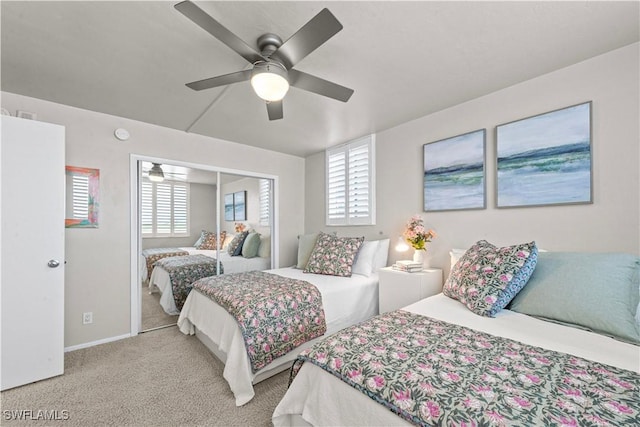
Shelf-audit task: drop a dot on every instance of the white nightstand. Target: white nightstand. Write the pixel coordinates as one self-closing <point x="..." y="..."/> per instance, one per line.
<point x="398" y="288"/>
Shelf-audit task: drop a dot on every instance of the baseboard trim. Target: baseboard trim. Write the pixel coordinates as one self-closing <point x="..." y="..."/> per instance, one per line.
<point x="93" y="343"/>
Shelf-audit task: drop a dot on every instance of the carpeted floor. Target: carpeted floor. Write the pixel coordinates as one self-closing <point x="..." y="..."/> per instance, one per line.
<point x="159" y="378"/>
<point x="153" y="316"/>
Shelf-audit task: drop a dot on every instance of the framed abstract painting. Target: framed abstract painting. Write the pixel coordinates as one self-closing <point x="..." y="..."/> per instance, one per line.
<point x="545" y="159"/>
<point x="228" y="207"/>
<point x="454" y="173"/>
<point x="240" y="205"/>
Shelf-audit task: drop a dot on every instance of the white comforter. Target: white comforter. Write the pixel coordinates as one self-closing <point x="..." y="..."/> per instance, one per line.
<point x="319" y="398"/>
<point x="346" y="301"/>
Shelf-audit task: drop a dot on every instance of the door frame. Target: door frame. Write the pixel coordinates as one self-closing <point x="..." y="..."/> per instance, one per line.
<point x="135" y="176"/>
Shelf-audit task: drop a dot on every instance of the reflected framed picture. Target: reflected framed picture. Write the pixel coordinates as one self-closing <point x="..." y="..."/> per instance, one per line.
<point x="228" y="207"/>
<point x="240" y="206"/>
<point x="545" y="159"/>
<point x="454" y="173"/>
<point x="82" y="202"/>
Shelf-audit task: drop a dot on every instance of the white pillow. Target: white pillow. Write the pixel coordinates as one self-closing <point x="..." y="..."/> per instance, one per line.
<point x="456" y="254"/>
<point x="364" y="261"/>
<point x="306" y="242"/>
<point x="382" y="255"/>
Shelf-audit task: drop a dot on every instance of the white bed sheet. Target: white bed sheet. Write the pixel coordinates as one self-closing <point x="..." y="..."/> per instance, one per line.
<point x="160" y="280"/>
<point x="318" y="398"/>
<point x="346" y="301"/>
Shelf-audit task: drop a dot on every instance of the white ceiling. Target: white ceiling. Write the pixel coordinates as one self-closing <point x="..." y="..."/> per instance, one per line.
<point x="403" y="59"/>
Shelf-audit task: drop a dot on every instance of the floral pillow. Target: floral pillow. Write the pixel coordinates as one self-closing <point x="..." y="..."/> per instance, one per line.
<point x="210" y="240"/>
<point x="333" y="255"/>
<point x="487" y="278"/>
<point x="234" y="248"/>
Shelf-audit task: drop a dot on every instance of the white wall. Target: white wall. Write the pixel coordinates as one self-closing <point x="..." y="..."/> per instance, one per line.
<point x="252" y="187"/>
<point x="202" y="216"/>
<point x="611" y="223"/>
<point x="97" y="271"/>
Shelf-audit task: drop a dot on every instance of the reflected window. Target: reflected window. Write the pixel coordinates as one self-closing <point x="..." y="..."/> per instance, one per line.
<point x="82" y="197"/>
<point x="164" y="209"/>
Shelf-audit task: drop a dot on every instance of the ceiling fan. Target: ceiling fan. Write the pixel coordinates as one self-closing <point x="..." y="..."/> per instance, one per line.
<point x="156" y="174"/>
<point x="272" y="72"/>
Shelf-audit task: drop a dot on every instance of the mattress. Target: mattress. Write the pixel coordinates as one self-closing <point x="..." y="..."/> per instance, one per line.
<point x="346" y="301"/>
<point x="319" y="398"/>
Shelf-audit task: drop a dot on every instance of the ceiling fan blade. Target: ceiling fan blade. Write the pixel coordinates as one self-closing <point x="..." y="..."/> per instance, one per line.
<point x="320" y="86"/>
<point x="226" y="79"/>
<point x="213" y="27"/>
<point x="274" y="109"/>
<point x="308" y="38"/>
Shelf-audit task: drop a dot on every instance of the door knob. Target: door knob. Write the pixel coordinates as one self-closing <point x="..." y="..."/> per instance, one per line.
<point x="53" y="263"/>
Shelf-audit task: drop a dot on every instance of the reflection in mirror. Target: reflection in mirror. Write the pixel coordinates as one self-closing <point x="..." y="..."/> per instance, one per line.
<point x="186" y="234"/>
<point x="81" y="202"/>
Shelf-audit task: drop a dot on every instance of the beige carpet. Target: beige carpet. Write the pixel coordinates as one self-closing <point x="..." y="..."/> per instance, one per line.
<point x="153" y="315"/>
<point x="159" y="378"/>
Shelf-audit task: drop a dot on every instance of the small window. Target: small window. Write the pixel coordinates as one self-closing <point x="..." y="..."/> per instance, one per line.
<point x="350" y="183"/>
<point x="264" y="190"/>
<point x="165" y="209"/>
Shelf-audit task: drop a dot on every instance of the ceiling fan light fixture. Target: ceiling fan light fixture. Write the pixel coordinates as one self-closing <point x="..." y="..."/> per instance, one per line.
<point x="156" y="174"/>
<point x="270" y="80"/>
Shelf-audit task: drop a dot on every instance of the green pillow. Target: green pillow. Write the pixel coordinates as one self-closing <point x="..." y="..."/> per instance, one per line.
<point x="306" y="243"/>
<point x="251" y="245"/>
<point x="597" y="291"/>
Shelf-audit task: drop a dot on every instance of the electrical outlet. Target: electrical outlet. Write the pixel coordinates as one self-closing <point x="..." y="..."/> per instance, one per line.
<point x="87" y="318"/>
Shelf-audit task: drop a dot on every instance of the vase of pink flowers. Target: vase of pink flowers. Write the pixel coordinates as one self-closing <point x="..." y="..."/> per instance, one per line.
<point x="416" y="235"/>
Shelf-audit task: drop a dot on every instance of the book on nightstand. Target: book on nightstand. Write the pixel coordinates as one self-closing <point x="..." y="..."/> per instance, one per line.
<point x="408" y="266"/>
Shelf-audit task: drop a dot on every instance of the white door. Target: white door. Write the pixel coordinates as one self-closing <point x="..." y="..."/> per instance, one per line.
<point x="32" y="251"/>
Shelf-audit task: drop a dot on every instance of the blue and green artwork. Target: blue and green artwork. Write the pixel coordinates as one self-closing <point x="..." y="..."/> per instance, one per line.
<point x="545" y="159"/>
<point x="454" y="173"/>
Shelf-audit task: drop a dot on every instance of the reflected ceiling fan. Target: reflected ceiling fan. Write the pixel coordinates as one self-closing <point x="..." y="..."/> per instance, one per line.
<point x="156" y="174"/>
<point x="272" y="72"/>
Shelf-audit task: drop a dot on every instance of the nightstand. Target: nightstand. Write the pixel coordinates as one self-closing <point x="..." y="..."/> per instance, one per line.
<point x="398" y="288"/>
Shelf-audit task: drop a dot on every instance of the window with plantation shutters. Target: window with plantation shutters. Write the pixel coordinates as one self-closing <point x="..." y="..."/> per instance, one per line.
<point x="264" y="191"/>
<point x="165" y="209"/>
<point x="80" y="196"/>
<point x="350" y="183"/>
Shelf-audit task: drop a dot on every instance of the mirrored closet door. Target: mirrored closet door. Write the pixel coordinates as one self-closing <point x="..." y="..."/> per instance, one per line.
<point x="197" y="223"/>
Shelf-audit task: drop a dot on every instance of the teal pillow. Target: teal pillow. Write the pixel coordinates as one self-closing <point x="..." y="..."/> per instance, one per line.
<point x="251" y="245"/>
<point x="597" y="291"/>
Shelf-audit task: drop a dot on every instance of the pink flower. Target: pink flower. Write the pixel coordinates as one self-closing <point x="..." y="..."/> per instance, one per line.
<point x="376" y="382"/>
<point x="403" y="399"/>
<point x="430" y="410"/>
<point x="614" y="406"/>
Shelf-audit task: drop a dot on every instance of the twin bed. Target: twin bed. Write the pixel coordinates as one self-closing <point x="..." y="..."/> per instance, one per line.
<point x="346" y="300"/>
<point x="160" y="279"/>
<point x="568" y="356"/>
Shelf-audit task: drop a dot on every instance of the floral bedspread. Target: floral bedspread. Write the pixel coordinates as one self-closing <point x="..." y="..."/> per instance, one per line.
<point x="184" y="270"/>
<point x="152" y="255"/>
<point x="431" y="372"/>
<point x="276" y="314"/>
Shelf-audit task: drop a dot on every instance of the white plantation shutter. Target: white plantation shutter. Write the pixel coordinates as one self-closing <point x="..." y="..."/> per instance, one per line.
<point x="350" y="183"/>
<point x="165" y="209"/>
<point x="146" y="204"/>
<point x="264" y="191"/>
<point x="180" y="209"/>
<point x="336" y="187"/>
<point x="80" y="195"/>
